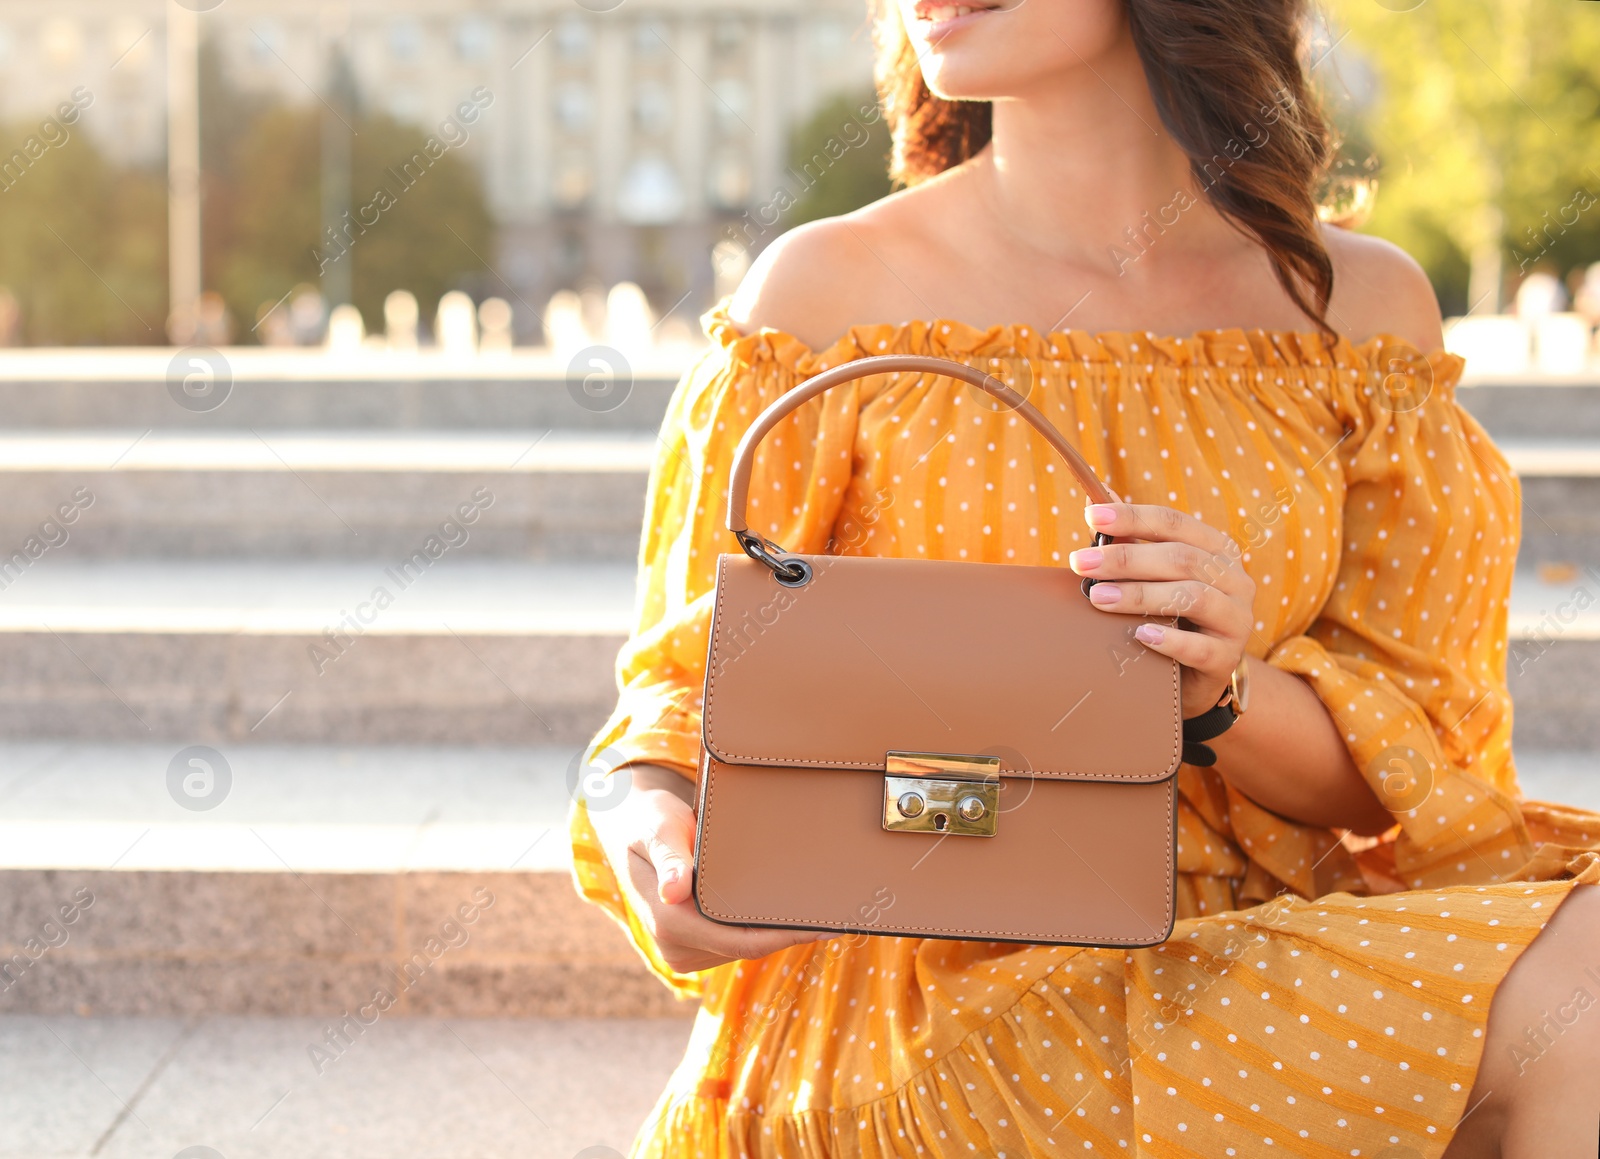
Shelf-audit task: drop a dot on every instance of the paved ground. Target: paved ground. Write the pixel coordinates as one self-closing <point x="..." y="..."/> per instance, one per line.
<point x="247" y="1089"/>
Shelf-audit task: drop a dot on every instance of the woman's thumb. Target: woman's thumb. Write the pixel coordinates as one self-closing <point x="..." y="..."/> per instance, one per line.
<point x="670" y="850"/>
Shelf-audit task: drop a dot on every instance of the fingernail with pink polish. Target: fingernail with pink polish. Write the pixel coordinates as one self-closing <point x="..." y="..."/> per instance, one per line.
<point x="1086" y="560"/>
<point x="1150" y="633"/>
<point x="1100" y="515"/>
<point x="1103" y="593"/>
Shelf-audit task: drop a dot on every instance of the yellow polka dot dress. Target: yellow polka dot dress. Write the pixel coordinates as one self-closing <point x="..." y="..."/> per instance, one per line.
<point x="1320" y="995"/>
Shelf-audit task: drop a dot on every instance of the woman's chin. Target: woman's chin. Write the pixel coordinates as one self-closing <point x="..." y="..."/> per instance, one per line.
<point x="990" y="67"/>
<point x="968" y="81"/>
<point x="1008" y="48"/>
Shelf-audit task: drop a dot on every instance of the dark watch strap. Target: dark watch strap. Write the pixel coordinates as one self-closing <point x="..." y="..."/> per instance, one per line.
<point x="1211" y="723"/>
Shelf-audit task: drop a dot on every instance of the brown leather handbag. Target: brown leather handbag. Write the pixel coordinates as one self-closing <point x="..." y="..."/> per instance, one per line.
<point x="928" y="748"/>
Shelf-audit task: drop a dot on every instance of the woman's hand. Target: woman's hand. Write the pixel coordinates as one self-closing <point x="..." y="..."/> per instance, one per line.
<point x="649" y="840"/>
<point x="1179" y="566"/>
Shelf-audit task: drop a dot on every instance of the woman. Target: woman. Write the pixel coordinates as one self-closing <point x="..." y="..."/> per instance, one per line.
<point x="1087" y="183"/>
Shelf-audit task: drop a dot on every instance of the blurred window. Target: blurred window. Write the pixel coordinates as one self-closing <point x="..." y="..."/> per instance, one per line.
<point x="574" y="254"/>
<point x="62" y="41"/>
<point x="828" y="37"/>
<point x="650" y="38"/>
<point x="474" y="38"/>
<point x="405" y="39"/>
<point x="573" y="182"/>
<point x="266" y="39"/>
<point x="574" y="107"/>
<point x="652" y="107"/>
<point x="406" y="105"/>
<point x="728" y="184"/>
<point x="574" y="38"/>
<point x="129" y="45"/>
<point x="731" y="104"/>
<point x="728" y="36"/>
<point x="651" y="193"/>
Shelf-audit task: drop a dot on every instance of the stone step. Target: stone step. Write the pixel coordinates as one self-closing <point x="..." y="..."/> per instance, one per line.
<point x="357" y="809"/>
<point x="246" y="1088"/>
<point x="260" y="808"/>
<point x="470" y="651"/>
<point x="298" y="879"/>
<point x="454" y="944"/>
<point x="1554" y="629"/>
<point x="254" y="388"/>
<point x="1560" y="498"/>
<point x="555" y="495"/>
<point x="529" y="495"/>
<point x="276" y="879"/>
<point x="1534" y="406"/>
<point x="144" y="388"/>
<point x="291" y="942"/>
<point x="482" y="652"/>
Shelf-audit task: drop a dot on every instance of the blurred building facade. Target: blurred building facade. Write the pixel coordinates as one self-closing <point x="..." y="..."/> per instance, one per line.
<point x="621" y="142"/>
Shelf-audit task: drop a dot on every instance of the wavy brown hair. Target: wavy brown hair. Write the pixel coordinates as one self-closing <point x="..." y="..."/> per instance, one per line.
<point x="1217" y="69"/>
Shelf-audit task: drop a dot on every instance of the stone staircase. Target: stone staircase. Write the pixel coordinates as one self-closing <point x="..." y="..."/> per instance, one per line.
<point x="278" y="786"/>
<point x="280" y="790"/>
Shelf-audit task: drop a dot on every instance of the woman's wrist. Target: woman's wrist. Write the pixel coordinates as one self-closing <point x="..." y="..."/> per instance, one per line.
<point x="1288" y="754"/>
<point x="652" y="777"/>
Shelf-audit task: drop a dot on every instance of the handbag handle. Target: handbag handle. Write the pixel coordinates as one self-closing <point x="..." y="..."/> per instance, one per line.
<point x="758" y="547"/>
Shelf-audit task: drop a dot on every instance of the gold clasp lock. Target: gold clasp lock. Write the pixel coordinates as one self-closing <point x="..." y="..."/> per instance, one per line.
<point x="941" y="793"/>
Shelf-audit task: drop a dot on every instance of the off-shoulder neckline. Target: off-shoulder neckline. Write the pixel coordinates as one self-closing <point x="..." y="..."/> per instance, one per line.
<point x="1223" y="347"/>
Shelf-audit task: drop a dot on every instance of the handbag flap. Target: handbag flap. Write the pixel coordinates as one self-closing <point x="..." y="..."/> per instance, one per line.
<point x="873" y="655"/>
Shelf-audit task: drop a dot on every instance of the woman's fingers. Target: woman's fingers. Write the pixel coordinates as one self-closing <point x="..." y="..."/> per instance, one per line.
<point x="667" y="843"/>
<point x="1195" y="650"/>
<point x="1163" y="561"/>
<point x="660" y="868"/>
<point x="1155" y="522"/>
<point x="1207" y="606"/>
<point x="690" y="941"/>
<point x="1198" y="653"/>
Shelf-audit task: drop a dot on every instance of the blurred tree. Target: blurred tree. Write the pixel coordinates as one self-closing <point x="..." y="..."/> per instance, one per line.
<point x="418" y="213"/>
<point x="82" y="244"/>
<point x="226" y="115"/>
<point x="841" y="156"/>
<point x="263" y="215"/>
<point x="1485" y="119"/>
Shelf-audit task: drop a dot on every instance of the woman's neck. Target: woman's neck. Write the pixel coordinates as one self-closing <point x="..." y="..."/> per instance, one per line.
<point x="1072" y="167"/>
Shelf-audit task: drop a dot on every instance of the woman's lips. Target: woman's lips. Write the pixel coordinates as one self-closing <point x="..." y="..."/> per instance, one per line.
<point x="938" y="20"/>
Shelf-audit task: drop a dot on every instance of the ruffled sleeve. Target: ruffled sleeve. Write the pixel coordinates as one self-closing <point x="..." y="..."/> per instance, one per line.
<point x="1409" y="651"/>
<point x="796" y="491"/>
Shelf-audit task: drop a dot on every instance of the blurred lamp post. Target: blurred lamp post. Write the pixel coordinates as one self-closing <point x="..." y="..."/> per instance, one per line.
<point x="338" y="110"/>
<point x="183" y="172"/>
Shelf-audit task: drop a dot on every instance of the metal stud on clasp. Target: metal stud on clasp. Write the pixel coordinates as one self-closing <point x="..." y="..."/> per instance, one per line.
<point x="911" y="804"/>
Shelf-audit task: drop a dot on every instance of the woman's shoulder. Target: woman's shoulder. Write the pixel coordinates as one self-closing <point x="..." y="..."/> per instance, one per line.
<point x="818" y="280"/>
<point x="1378" y="288"/>
<point x="821" y="278"/>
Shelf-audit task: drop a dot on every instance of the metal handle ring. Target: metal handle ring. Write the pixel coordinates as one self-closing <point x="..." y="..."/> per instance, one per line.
<point x="791" y="573"/>
<point x="1100" y="540"/>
